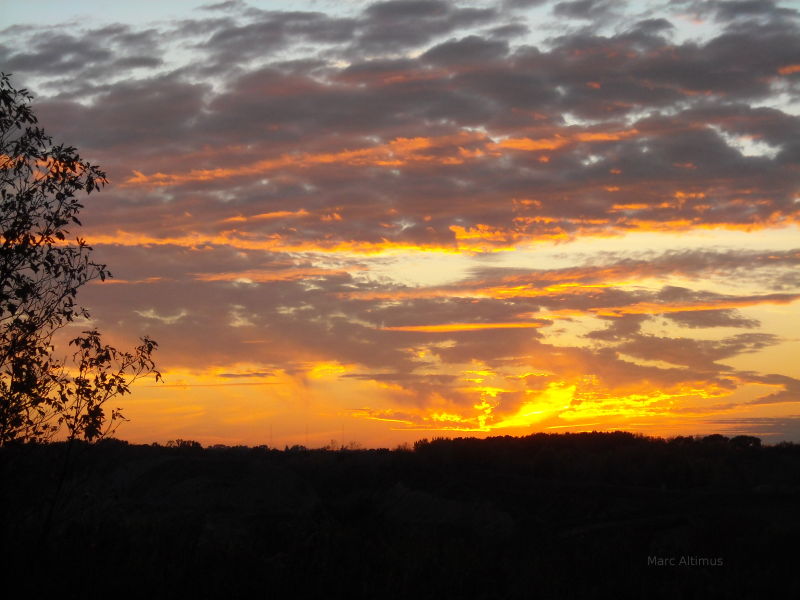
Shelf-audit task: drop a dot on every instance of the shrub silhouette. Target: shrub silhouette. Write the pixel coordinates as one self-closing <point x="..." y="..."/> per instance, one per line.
<point x="466" y="518"/>
<point x="40" y="274"/>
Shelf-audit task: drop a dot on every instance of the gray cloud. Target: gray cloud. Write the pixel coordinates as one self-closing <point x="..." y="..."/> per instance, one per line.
<point x="396" y="25"/>
<point x="712" y="318"/>
<point x="749" y="9"/>
<point x="593" y="10"/>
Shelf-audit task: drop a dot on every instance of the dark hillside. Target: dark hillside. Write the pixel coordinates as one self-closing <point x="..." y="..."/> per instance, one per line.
<point x="552" y="516"/>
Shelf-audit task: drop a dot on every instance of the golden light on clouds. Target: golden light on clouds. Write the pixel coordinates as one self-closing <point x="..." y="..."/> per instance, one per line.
<point x="452" y="327"/>
<point x="399" y="152"/>
<point x="457" y="229"/>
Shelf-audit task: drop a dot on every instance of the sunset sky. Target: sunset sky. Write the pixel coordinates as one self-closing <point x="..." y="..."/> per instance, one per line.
<point x="378" y="222"/>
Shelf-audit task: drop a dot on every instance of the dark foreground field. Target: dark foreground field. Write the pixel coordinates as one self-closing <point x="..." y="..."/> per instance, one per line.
<point x="545" y="516"/>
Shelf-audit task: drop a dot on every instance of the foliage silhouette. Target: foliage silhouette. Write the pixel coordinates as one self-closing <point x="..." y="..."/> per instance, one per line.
<point x="40" y="274"/>
<point x="460" y="518"/>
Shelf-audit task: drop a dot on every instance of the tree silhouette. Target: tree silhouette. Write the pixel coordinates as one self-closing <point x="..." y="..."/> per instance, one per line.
<point x="40" y="274"/>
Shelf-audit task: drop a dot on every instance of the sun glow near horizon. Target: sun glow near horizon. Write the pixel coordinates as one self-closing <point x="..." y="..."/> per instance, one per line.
<point x="379" y="221"/>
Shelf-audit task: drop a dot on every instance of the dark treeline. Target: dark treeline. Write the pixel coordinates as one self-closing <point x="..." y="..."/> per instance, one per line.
<point x="542" y="516"/>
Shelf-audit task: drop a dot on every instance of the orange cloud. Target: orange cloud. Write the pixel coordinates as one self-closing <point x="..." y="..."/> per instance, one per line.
<point x="655" y="308"/>
<point x="776" y="219"/>
<point x="497" y="292"/>
<point x="532" y="145"/>
<point x="558" y="405"/>
<point x="398" y="152"/>
<point x="452" y="327"/>
<point x="789" y="69"/>
<point x="601" y="136"/>
<point x="112" y="281"/>
<point x="560" y="140"/>
<point x="278" y="214"/>
<point x="273" y="242"/>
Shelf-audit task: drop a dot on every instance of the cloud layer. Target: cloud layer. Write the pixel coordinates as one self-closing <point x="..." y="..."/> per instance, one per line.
<point x="276" y="174"/>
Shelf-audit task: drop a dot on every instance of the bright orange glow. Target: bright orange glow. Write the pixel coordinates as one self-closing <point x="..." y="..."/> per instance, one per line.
<point x="114" y="281"/>
<point x="446" y="417"/>
<point x="257" y="398"/>
<point x="559" y="140"/>
<point x="388" y="241"/>
<point x="789" y="69"/>
<point x="477" y="239"/>
<point x="553" y="399"/>
<point x="8" y="162"/>
<point x="633" y="206"/>
<point x="600" y="136"/>
<point x="328" y="369"/>
<point x="45" y="167"/>
<point x="468" y="241"/>
<point x="279" y="214"/>
<point x="509" y="288"/>
<point x="483" y="232"/>
<point x="559" y="405"/>
<point x="776" y="219"/>
<point x="272" y="242"/>
<point x="451" y="327"/>
<point x="533" y="145"/>
<point x="684" y="195"/>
